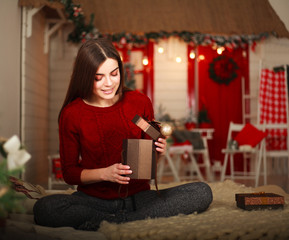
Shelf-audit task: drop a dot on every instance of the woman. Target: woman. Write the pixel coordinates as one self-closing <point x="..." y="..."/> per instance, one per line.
<point x="94" y="119"/>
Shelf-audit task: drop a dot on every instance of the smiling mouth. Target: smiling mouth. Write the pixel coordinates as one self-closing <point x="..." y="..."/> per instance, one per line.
<point x="108" y="91"/>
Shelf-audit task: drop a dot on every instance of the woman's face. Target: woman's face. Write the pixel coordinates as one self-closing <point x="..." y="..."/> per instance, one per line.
<point x="106" y="83"/>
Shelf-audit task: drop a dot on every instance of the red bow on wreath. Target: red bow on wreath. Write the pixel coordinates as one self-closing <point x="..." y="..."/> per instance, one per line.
<point x="223" y="69"/>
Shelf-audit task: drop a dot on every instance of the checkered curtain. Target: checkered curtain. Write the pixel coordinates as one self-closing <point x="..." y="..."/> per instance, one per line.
<point x="272" y="100"/>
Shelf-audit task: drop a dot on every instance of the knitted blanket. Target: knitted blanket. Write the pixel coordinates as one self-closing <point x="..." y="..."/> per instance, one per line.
<point x="223" y="220"/>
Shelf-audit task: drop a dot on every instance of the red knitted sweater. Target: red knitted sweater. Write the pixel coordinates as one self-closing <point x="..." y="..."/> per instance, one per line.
<point x="96" y="135"/>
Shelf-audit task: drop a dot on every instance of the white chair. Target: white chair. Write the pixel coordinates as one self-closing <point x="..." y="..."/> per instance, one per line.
<point x="275" y="155"/>
<point x="197" y="138"/>
<point x="175" y="153"/>
<point x="249" y="154"/>
<point x="206" y="134"/>
<point x="55" y="174"/>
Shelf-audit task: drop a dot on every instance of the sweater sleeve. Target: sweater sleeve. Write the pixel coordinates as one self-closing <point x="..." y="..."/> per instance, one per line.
<point x="69" y="147"/>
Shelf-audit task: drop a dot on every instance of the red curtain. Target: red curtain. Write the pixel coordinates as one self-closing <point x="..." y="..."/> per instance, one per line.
<point x="191" y="78"/>
<point x="222" y="101"/>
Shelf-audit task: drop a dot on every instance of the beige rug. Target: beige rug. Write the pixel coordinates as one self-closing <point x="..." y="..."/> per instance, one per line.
<point x="223" y="220"/>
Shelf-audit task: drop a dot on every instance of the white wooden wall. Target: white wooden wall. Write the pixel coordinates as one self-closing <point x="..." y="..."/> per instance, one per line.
<point x="35" y="108"/>
<point x="170" y="90"/>
<point x="62" y="55"/>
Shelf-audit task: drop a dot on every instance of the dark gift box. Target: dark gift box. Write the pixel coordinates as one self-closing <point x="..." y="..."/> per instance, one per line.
<point x="140" y="155"/>
<point x="254" y="201"/>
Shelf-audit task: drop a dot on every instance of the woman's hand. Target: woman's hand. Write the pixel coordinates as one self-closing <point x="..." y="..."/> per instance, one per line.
<point x="115" y="172"/>
<point x="161" y="145"/>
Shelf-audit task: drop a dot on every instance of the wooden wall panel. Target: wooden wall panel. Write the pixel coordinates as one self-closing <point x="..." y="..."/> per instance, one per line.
<point x="62" y="55"/>
<point x="35" y="112"/>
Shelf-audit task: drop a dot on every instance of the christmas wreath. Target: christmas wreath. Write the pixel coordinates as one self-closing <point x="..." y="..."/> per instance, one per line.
<point x="223" y="69"/>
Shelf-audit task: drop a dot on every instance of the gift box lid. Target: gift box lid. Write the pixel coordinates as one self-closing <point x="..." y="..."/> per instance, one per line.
<point x="151" y="128"/>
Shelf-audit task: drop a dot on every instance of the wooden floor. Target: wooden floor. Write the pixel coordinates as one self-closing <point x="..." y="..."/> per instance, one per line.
<point x="279" y="180"/>
<point x="277" y="174"/>
<point x="279" y="177"/>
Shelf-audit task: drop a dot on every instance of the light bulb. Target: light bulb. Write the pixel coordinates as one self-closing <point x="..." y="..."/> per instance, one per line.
<point x="201" y="57"/>
<point x="178" y="59"/>
<point x="220" y="50"/>
<point x="160" y="49"/>
<point x="192" y="55"/>
<point x="145" y="61"/>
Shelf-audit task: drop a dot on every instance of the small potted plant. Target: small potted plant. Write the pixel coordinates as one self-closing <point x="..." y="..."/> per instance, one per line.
<point x="203" y="119"/>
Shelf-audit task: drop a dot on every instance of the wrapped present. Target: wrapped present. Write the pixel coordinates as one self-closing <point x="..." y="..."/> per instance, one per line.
<point x="262" y="200"/>
<point x="140" y="155"/>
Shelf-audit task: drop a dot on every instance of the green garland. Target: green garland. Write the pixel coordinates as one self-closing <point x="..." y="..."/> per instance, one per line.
<point x="192" y="38"/>
<point x="83" y="32"/>
<point x="223" y="69"/>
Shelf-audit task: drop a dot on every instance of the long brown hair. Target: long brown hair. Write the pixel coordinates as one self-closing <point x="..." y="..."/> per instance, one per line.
<point x="89" y="58"/>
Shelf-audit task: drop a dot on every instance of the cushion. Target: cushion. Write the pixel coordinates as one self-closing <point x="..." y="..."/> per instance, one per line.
<point x="250" y="135"/>
<point x="194" y="138"/>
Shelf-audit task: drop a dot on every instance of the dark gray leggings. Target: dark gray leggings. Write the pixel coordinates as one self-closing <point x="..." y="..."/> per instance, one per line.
<point x="84" y="212"/>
